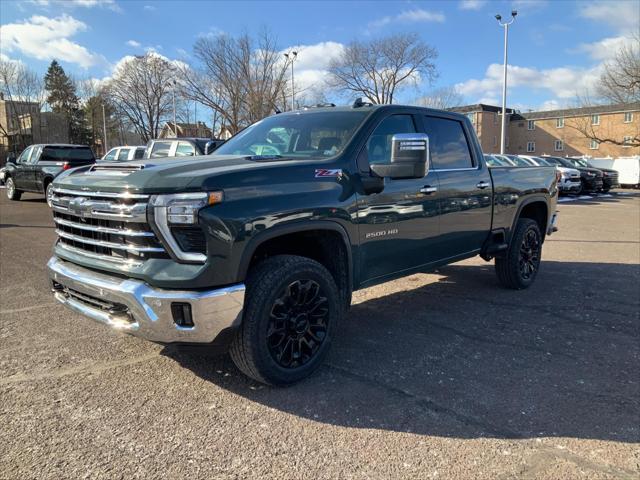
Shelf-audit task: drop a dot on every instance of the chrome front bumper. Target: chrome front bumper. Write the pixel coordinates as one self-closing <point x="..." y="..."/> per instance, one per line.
<point x="142" y="310"/>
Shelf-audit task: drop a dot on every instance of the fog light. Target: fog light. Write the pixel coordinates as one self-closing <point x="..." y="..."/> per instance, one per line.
<point x="182" y="314"/>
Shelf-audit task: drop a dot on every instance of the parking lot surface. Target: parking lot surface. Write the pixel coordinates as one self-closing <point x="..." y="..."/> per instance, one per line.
<point x="442" y="375"/>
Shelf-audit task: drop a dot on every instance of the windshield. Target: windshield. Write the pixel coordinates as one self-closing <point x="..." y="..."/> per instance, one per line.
<point x="520" y="162"/>
<point x="296" y="136"/>
<point x="578" y="162"/>
<point x="542" y="162"/>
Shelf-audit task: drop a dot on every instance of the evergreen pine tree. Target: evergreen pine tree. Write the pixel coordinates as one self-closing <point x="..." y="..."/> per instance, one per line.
<point x="62" y="98"/>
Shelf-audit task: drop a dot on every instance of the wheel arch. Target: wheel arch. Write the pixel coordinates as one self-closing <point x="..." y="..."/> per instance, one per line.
<point x="324" y="241"/>
<point x="535" y="208"/>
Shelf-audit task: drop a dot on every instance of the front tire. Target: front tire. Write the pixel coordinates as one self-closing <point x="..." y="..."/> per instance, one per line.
<point x="292" y="306"/>
<point x="48" y="192"/>
<point x="12" y="192"/>
<point x="518" y="268"/>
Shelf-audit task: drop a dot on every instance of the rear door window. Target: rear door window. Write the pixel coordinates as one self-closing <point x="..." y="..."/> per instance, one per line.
<point x="160" y="149"/>
<point x="447" y="143"/>
<point x="139" y="153"/>
<point x="185" y="149"/>
<point x="67" y="154"/>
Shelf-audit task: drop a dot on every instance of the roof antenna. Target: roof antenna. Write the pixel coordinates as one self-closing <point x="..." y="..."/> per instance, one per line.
<point x="360" y="102"/>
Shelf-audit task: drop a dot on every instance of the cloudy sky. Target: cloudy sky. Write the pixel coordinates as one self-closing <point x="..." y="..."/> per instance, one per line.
<point x="556" y="48"/>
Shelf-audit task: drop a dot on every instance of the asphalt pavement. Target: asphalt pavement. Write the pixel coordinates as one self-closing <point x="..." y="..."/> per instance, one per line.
<point x="441" y="375"/>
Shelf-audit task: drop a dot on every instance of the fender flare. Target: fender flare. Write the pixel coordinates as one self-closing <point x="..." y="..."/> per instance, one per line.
<point x="295" y="227"/>
<point x="529" y="201"/>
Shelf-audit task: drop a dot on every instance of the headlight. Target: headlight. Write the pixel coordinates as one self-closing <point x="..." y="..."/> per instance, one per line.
<point x="589" y="174"/>
<point x="180" y="209"/>
<point x="183" y="208"/>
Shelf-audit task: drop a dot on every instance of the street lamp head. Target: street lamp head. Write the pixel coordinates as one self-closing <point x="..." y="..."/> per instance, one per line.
<point x="498" y="17"/>
<point x="286" y="55"/>
<point x="295" y="54"/>
<point x="514" y="13"/>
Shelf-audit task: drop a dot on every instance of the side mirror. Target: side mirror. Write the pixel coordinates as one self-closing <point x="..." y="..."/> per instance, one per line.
<point x="409" y="157"/>
<point x="11" y="158"/>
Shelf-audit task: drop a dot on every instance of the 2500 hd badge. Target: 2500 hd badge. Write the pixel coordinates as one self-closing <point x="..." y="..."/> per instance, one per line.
<point x="381" y="233"/>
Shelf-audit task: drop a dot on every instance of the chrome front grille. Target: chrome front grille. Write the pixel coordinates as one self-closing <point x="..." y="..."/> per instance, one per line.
<point x="105" y="226"/>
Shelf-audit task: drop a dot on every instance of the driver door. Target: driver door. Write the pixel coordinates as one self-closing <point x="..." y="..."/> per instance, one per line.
<point x="24" y="172"/>
<point x="398" y="226"/>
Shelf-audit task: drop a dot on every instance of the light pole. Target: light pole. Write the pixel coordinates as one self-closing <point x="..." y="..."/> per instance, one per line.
<point x="505" y="25"/>
<point x="175" y="125"/>
<point x="291" y="57"/>
<point x="104" y="130"/>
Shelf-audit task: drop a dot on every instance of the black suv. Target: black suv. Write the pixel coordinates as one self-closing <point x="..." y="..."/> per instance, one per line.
<point x="591" y="178"/>
<point x="37" y="166"/>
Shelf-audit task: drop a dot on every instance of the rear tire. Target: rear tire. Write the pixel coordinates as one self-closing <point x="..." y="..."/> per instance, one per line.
<point x="518" y="268"/>
<point x="291" y="309"/>
<point x="12" y="192"/>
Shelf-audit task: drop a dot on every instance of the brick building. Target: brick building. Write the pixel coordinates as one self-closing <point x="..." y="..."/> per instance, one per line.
<point x="558" y="132"/>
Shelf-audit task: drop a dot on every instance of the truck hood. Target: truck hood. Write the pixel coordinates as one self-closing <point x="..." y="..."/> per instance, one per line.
<point x="160" y="175"/>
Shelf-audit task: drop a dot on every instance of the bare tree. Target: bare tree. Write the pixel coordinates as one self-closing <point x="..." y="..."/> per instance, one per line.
<point x="378" y="68"/>
<point x="240" y="79"/>
<point x="618" y="84"/>
<point x="141" y="90"/>
<point x="441" y="98"/>
<point x="24" y="92"/>
<point x="620" y="81"/>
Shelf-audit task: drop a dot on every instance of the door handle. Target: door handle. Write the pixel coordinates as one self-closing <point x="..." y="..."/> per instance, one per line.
<point x="428" y="189"/>
<point x="482" y="185"/>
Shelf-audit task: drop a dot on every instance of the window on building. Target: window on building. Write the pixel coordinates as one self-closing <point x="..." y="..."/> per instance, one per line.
<point x="628" y="117"/>
<point x="558" y="146"/>
<point x="560" y="122"/>
<point x="626" y="142"/>
<point x="594" y="145"/>
<point x="531" y="124"/>
<point x="531" y="147"/>
<point x="595" y="119"/>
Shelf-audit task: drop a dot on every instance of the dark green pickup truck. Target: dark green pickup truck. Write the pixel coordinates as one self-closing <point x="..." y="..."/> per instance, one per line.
<point x="259" y="246"/>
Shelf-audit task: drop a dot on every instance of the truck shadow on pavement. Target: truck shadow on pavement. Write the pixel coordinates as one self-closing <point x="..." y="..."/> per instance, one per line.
<point x="462" y="357"/>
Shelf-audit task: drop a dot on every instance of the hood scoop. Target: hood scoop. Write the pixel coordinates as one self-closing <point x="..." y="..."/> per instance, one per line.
<point x="117" y="169"/>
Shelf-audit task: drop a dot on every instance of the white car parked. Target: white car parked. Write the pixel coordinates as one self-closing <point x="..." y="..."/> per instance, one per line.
<point x="569" y="177"/>
<point x="124" y="154"/>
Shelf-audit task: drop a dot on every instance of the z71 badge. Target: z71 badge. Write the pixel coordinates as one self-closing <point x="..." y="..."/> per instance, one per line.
<point x="328" y="172"/>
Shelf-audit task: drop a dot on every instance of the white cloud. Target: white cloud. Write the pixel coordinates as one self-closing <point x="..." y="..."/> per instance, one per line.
<point x="562" y="82"/>
<point x="312" y="62"/>
<point x="623" y="17"/>
<point x="604" y="49"/>
<point x="134" y="44"/>
<point x="149" y="8"/>
<point x="110" y="4"/>
<point x="408" y="16"/>
<point x="46" y="38"/>
<point x="472" y="4"/>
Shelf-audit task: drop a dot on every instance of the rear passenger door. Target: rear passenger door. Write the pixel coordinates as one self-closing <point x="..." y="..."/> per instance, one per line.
<point x="465" y="190"/>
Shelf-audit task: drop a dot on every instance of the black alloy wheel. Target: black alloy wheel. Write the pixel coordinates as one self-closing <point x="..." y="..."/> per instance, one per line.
<point x="298" y="324"/>
<point x="530" y="254"/>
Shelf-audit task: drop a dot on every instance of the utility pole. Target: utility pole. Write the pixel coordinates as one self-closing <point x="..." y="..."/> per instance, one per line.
<point x="291" y="57"/>
<point x="503" y="128"/>
<point x="104" y="130"/>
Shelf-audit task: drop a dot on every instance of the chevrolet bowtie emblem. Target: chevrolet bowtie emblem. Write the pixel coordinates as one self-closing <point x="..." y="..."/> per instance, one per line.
<point x="79" y="207"/>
